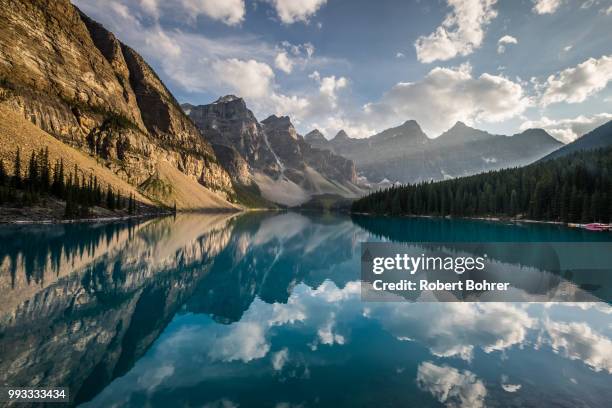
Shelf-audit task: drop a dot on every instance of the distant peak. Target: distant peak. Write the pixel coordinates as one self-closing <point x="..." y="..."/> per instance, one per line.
<point x="460" y="125"/>
<point x="274" y="120"/>
<point x="315" y="135"/>
<point x="341" y="135"/>
<point x="227" y="99"/>
<point x="411" y="126"/>
<point x="187" y="107"/>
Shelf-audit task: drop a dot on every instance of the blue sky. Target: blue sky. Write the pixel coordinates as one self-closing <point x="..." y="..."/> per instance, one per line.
<point x="364" y="66"/>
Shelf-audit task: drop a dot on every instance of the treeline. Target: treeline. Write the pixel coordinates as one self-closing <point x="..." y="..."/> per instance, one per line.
<point x="576" y="188"/>
<point x="32" y="184"/>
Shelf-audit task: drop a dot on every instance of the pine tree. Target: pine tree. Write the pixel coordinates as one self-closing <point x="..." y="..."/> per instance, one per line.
<point x="571" y="189"/>
<point x="69" y="210"/>
<point x="33" y="171"/>
<point x="17" y="169"/>
<point x="514" y="210"/>
<point x="110" y="198"/>
<point x="45" y="170"/>
<point x="3" y="175"/>
<point x="396" y="206"/>
<point x="131" y="206"/>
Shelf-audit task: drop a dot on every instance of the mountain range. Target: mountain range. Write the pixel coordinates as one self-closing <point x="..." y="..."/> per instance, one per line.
<point x="270" y="157"/>
<point x="69" y="84"/>
<point x="406" y="154"/>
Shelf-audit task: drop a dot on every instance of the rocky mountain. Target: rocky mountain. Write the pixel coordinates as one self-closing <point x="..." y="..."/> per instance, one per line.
<point x="270" y="157"/>
<point x="406" y="154"/>
<point x="600" y="137"/>
<point x="76" y="81"/>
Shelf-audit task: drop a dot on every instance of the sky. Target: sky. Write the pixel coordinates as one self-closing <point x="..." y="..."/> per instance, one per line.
<point x="364" y="66"/>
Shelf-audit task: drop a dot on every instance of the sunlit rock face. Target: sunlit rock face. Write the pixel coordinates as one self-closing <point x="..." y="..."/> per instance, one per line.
<point x="229" y="123"/>
<point x="100" y="96"/>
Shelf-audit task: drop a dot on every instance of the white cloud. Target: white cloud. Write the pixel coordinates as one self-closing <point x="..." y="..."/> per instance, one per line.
<point x="400" y="55"/>
<point x="280" y="358"/>
<point x="454" y="388"/>
<point x="322" y="104"/>
<point x="505" y="40"/>
<point x="492" y="327"/>
<point x="121" y="9"/>
<point x="568" y="48"/>
<point x="511" y="387"/>
<point x="461" y="32"/>
<point x="568" y="129"/>
<point x="447" y="95"/>
<point x="164" y="43"/>
<point x="330" y="86"/>
<point x="332" y="124"/>
<point x="291" y="11"/>
<point x="294" y="106"/>
<point x="507" y="386"/>
<point x="283" y="62"/>
<point x="608" y="11"/>
<point x="588" y="3"/>
<point x="151" y="7"/>
<point x="244" y="341"/>
<point x="250" y="79"/>
<point x="574" y="85"/>
<point x="230" y="12"/>
<point x="546" y="6"/>
<point x="577" y="341"/>
<point x="291" y="55"/>
<point x="327" y="334"/>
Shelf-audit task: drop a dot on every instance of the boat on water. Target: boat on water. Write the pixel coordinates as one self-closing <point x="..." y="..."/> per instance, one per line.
<point x="596" y="226"/>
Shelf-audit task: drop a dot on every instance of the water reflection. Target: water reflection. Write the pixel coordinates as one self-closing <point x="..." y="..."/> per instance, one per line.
<point x="266" y="310"/>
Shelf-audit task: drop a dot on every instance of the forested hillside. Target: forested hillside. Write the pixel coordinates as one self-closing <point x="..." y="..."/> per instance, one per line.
<point x="576" y="188"/>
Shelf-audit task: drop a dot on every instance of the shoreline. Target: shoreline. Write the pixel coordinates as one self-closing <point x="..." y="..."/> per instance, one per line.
<point x="500" y="220"/>
<point x="82" y="220"/>
<point x="104" y="219"/>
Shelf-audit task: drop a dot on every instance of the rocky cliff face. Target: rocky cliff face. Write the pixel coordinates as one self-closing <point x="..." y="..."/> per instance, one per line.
<point x="77" y="81"/>
<point x="271" y="154"/>
<point x="290" y="147"/>
<point x="229" y="122"/>
<point x="316" y="138"/>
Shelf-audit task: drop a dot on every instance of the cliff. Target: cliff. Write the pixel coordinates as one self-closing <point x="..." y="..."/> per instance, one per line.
<point x="76" y="81"/>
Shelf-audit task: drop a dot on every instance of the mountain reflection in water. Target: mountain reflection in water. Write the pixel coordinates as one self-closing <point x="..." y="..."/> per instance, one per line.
<point x="265" y="309"/>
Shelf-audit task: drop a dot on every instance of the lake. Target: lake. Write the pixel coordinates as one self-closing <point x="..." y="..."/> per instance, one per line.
<point x="265" y="310"/>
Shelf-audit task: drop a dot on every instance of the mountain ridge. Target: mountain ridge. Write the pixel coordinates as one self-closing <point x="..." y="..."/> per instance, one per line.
<point x="600" y="137"/>
<point x="96" y="94"/>
<point x="406" y="154"/>
<point x="271" y="156"/>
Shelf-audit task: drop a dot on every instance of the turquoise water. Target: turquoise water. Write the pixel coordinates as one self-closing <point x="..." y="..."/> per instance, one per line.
<point x="265" y="310"/>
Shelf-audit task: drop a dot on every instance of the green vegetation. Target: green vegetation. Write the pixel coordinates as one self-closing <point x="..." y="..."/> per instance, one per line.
<point x="156" y="188"/>
<point x="575" y="188"/>
<point x="327" y="202"/>
<point x="250" y="196"/>
<point x="41" y="180"/>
